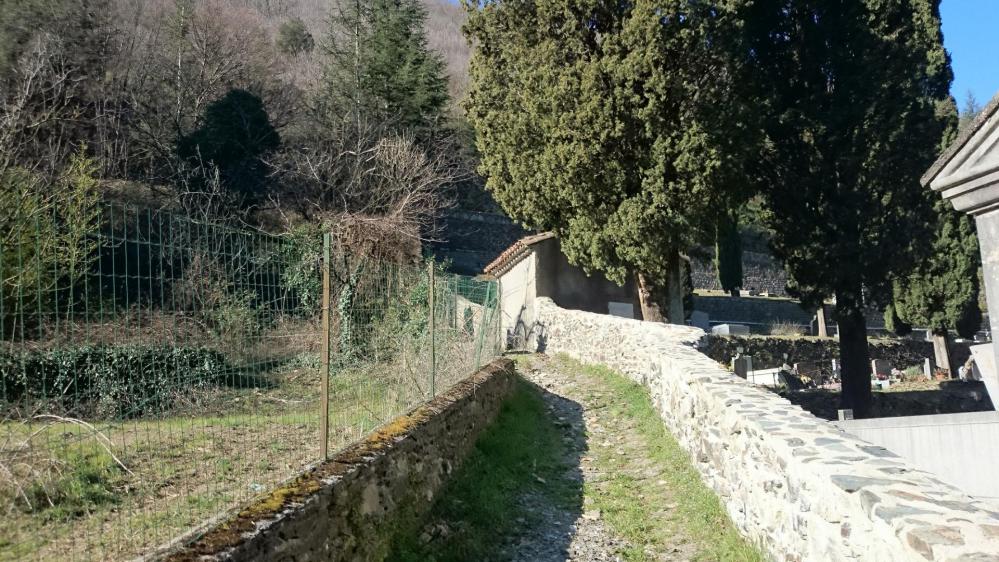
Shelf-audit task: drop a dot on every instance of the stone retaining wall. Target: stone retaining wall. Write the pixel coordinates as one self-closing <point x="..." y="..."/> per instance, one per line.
<point x="797" y="485"/>
<point x="769" y="352"/>
<point x="349" y="507"/>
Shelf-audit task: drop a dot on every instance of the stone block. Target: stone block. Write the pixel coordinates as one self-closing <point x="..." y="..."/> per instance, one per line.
<point x="730" y="330"/>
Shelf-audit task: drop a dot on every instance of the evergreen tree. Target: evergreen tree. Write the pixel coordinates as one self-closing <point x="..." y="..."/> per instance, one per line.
<point x="728" y="253"/>
<point x="894" y="324"/>
<point x="612" y="124"/>
<point x="941" y="292"/>
<point x="235" y="132"/>
<point x="855" y="92"/>
<point x="970" y="110"/>
<point x="379" y="63"/>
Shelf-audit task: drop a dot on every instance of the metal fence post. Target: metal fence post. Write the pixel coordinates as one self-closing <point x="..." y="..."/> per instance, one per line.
<point x="486" y="308"/>
<point x="324" y="410"/>
<point x="433" y="333"/>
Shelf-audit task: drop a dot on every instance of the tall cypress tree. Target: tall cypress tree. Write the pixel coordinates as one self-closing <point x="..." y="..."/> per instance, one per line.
<point x="612" y="124"/>
<point x="854" y="91"/>
<point x="942" y="290"/>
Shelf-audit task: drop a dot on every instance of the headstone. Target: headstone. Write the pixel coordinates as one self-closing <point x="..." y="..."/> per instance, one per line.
<point x="730" y="330"/>
<point x="820" y="315"/>
<point x="622" y="309"/>
<point x="844" y="414"/>
<point x="880" y="367"/>
<point x="928" y="368"/>
<point x="700" y="319"/>
<point x="742" y="366"/>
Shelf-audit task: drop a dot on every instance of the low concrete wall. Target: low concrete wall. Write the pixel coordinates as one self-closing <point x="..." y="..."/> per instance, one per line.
<point x="963" y="449"/>
<point x="797" y="485"/>
<point x="348" y="507"/>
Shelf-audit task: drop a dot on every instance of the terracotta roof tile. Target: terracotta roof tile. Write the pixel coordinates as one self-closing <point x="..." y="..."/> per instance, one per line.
<point x="516" y="252"/>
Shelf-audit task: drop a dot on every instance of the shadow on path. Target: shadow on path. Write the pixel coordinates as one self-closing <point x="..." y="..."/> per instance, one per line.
<point x="519" y="495"/>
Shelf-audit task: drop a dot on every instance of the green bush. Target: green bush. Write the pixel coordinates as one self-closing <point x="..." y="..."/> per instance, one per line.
<point x="109" y="381"/>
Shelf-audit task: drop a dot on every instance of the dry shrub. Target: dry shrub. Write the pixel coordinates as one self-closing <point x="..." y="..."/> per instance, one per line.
<point x="786" y="328"/>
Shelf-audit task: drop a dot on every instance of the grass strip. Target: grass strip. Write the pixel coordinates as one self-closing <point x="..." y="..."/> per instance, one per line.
<point x="633" y="508"/>
<point x="521" y="453"/>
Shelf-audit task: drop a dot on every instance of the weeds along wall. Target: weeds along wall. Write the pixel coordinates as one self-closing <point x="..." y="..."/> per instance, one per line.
<point x="157" y="371"/>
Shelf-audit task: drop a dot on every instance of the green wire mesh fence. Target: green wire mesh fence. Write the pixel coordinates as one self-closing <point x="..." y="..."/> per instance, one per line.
<point x="157" y="371"/>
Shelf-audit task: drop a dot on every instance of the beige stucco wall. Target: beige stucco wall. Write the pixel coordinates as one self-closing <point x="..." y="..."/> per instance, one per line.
<point x="518" y="290"/>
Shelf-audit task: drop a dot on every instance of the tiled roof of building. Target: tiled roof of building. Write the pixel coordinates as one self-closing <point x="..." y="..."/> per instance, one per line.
<point x="516" y="252"/>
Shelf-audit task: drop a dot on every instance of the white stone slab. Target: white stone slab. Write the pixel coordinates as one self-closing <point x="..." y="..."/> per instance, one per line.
<point x="730" y="330"/>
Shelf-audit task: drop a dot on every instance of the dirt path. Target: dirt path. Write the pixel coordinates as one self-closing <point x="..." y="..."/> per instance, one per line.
<point x="565" y="534"/>
<point x="578" y="467"/>
<point x="608" y="448"/>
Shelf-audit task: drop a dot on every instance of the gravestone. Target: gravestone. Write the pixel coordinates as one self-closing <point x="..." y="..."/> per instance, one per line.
<point x="730" y="330"/>
<point x="621" y="309"/>
<point x="880" y="367"/>
<point x="700" y="319"/>
<point x="928" y="368"/>
<point x="742" y="366"/>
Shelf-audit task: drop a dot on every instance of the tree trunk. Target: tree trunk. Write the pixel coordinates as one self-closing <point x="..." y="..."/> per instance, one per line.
<point x="674" y="288"/>
<point x="855" y="358"/>
<point x="650" y="309"/>
<point x="941" y="350"/>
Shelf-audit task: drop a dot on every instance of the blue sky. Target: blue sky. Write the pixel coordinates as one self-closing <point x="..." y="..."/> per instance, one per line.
<point x="971" y="34"/>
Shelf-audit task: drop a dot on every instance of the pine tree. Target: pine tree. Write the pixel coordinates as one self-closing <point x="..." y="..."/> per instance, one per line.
<point x="379" y="64"/>
<point x="728" y="253"/>
<point x="970" y="110"/>
<point x="612" y="124"/>
<point x="854" y="91"/>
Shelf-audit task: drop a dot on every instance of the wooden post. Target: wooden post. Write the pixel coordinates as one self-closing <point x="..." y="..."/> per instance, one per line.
<point x="433" y="333"/>
<point x="324" y="409"/>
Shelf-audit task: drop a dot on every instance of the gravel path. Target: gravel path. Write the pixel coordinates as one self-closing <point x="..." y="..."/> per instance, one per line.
<point x="596" y="440"/>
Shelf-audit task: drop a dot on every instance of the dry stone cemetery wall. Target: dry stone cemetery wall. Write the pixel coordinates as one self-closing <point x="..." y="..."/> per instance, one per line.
<point x="348" y="507"/>
<point x="797" y="485"/>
